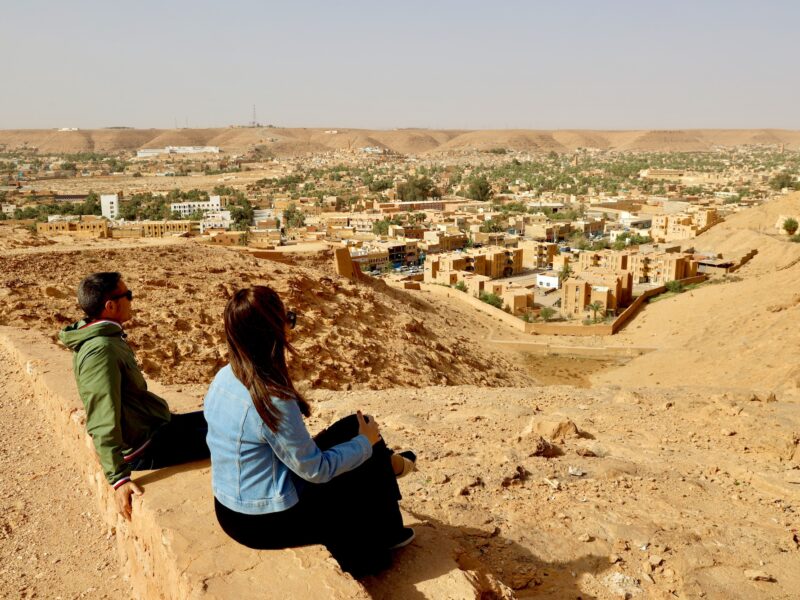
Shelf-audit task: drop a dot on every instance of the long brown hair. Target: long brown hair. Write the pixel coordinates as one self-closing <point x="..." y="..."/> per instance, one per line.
<point x="255" y="325"/>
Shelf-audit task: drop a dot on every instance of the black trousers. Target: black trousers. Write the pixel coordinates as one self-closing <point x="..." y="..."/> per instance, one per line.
<point x="180" y="441"/>
<point x="355" y="515"/>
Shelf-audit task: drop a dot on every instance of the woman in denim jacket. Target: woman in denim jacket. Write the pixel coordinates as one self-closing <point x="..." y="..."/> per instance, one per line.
<point x="274" y="485"/>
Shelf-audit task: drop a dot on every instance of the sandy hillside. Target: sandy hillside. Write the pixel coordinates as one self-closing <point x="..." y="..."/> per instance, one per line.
<point x="350" y="335"/>
<point x="294" y="141"/>
<point x="737" y="335"/>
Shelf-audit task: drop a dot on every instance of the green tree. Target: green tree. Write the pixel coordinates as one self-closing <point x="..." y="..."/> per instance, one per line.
<point x="565" y="273"/>
<point x="292" y="217"/>
<point x="595" y="307"/>
<point x="547" y="313"/>
<point x="492" y="226"/>
<point x="479" y="189"/>
<point x="91" y="205"/>
<point x="781" y="180"/>
<point x="417" y="188"/>
<point x="790" y="226"/>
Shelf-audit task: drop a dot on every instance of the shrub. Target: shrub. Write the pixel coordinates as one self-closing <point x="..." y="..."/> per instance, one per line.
<point x="547" y="313"/>
<point x="795" y="238"/>
<point x="790" y="226"/>
<point x="461" y="286"/>
<point x="492" y="299"/>
<point x="674" y="286"/>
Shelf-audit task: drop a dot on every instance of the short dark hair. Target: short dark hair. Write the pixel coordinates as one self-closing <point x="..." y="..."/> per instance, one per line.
<point x="94" y="290"/>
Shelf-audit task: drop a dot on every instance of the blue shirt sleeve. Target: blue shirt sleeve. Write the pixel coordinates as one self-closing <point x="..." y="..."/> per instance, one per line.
<point x="294" y="447"/>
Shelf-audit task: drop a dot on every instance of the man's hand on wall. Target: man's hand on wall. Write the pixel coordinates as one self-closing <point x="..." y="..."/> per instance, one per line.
<point x="123" y="494"/>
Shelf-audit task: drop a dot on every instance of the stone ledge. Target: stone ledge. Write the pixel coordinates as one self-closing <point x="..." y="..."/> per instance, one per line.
<point x="173" y="547"/>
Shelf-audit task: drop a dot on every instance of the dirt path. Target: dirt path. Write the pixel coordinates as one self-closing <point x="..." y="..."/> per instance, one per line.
<point x="52" y="541"/>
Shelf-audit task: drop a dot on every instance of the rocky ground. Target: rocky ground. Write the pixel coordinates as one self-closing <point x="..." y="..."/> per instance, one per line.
<point x="676" y="475"/>
<point x="53" y="543"/>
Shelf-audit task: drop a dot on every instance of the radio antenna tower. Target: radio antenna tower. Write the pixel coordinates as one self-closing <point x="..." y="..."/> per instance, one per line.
<point x="254" y="122"/>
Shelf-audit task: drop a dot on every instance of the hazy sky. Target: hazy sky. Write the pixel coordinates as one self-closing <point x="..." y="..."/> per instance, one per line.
<point x="440" y="64"/>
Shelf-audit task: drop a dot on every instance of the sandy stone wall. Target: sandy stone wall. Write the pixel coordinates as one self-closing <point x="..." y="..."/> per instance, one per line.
<point x="173" y="547"/>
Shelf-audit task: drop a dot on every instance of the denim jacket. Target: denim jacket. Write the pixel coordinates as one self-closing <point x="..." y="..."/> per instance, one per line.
<point x="252" y="467"/>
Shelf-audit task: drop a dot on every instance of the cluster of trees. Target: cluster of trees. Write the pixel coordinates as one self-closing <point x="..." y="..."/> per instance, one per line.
<point x="292" y="217"/>
<point x="418" y="188"/>
<point x="40" y="212"/>
<point x="480" y="189"/>
<point x="784" y="180"/>
<point x="492" y="226"/>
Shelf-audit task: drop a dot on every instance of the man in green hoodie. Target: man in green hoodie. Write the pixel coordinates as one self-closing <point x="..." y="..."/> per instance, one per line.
<point x="132" y="428"/>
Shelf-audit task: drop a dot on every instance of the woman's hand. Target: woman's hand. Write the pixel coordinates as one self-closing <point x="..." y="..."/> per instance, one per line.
<point x="368" y="430"/>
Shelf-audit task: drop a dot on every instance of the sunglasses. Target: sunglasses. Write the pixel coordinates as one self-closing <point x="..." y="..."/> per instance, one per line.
<point x="128" y="294"/>
<point x="291" y="318"/>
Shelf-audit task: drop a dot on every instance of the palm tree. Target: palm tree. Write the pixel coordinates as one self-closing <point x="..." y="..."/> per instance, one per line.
<point x="565" y="273"/>
<point x="595" y="307"/>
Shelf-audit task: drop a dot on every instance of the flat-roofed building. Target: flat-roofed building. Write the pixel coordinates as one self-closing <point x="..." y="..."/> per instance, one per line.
<point x="492" y="262"/>
<point x="370" y="258"/>
<point x="162" y="228"/>
<point x="537" y="255"/>
<point x="214" y="204"/>
<point x="661" y="267"/>
<point x="612" y="290"/>
<point x="439" y="241"/>
<point x="109" y="206"/>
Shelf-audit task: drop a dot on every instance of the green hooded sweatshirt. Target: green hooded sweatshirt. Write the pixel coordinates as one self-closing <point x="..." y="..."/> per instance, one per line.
<point x="121" y="415"/>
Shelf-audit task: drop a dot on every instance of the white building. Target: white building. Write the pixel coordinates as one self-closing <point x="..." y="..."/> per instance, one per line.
<point x="8" y="209"/>
<point x="109" y="206"/>
<point x="152" y="152"/>
<point x="185" y="209"/>
<point x="262" y="214"/>
<point x="216" y="221"/>
<point x="548" y="280"/>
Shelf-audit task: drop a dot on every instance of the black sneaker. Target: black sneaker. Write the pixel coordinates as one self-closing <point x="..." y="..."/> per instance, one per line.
<point x="404" y="538"/>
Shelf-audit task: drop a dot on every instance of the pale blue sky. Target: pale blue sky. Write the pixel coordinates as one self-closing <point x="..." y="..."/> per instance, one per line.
<point x="438" y="64"/>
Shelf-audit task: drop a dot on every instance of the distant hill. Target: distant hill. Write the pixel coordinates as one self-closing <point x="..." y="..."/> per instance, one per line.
<point x="291" y="142"/>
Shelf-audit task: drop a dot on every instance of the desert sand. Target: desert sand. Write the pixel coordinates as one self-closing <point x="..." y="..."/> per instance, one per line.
<point x="676" y="474"/>
<point x="300" y="141"/>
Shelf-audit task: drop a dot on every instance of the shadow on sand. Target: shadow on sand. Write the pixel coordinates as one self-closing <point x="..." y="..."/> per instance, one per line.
<point x="429" y="567"/>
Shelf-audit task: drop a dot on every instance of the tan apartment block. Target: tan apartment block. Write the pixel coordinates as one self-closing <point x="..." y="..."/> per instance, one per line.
<point x="162" y="228"/>
<point x="537" y="255"/>
<point x="518" y="300"/>
<point x="438" y="241"/>
<point x="661" y="267"/>
<point x="561" y="261"/>
<point x="370" y="258"/>
<point x="549" y="232"/>
<point x="400" y="251"/>
<point x="682" y="225"/>
<point x="83" y="229"/>
<point x="611" y="290"/>
<point x="407" y="231"/>
<point x="228" y="238"/>
<point x="492" y="262"/>
<point x="604" y="259"/>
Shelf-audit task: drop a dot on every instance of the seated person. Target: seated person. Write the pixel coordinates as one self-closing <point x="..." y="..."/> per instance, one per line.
<point x="132" y="428"/>
<point x="274" y="485"/>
